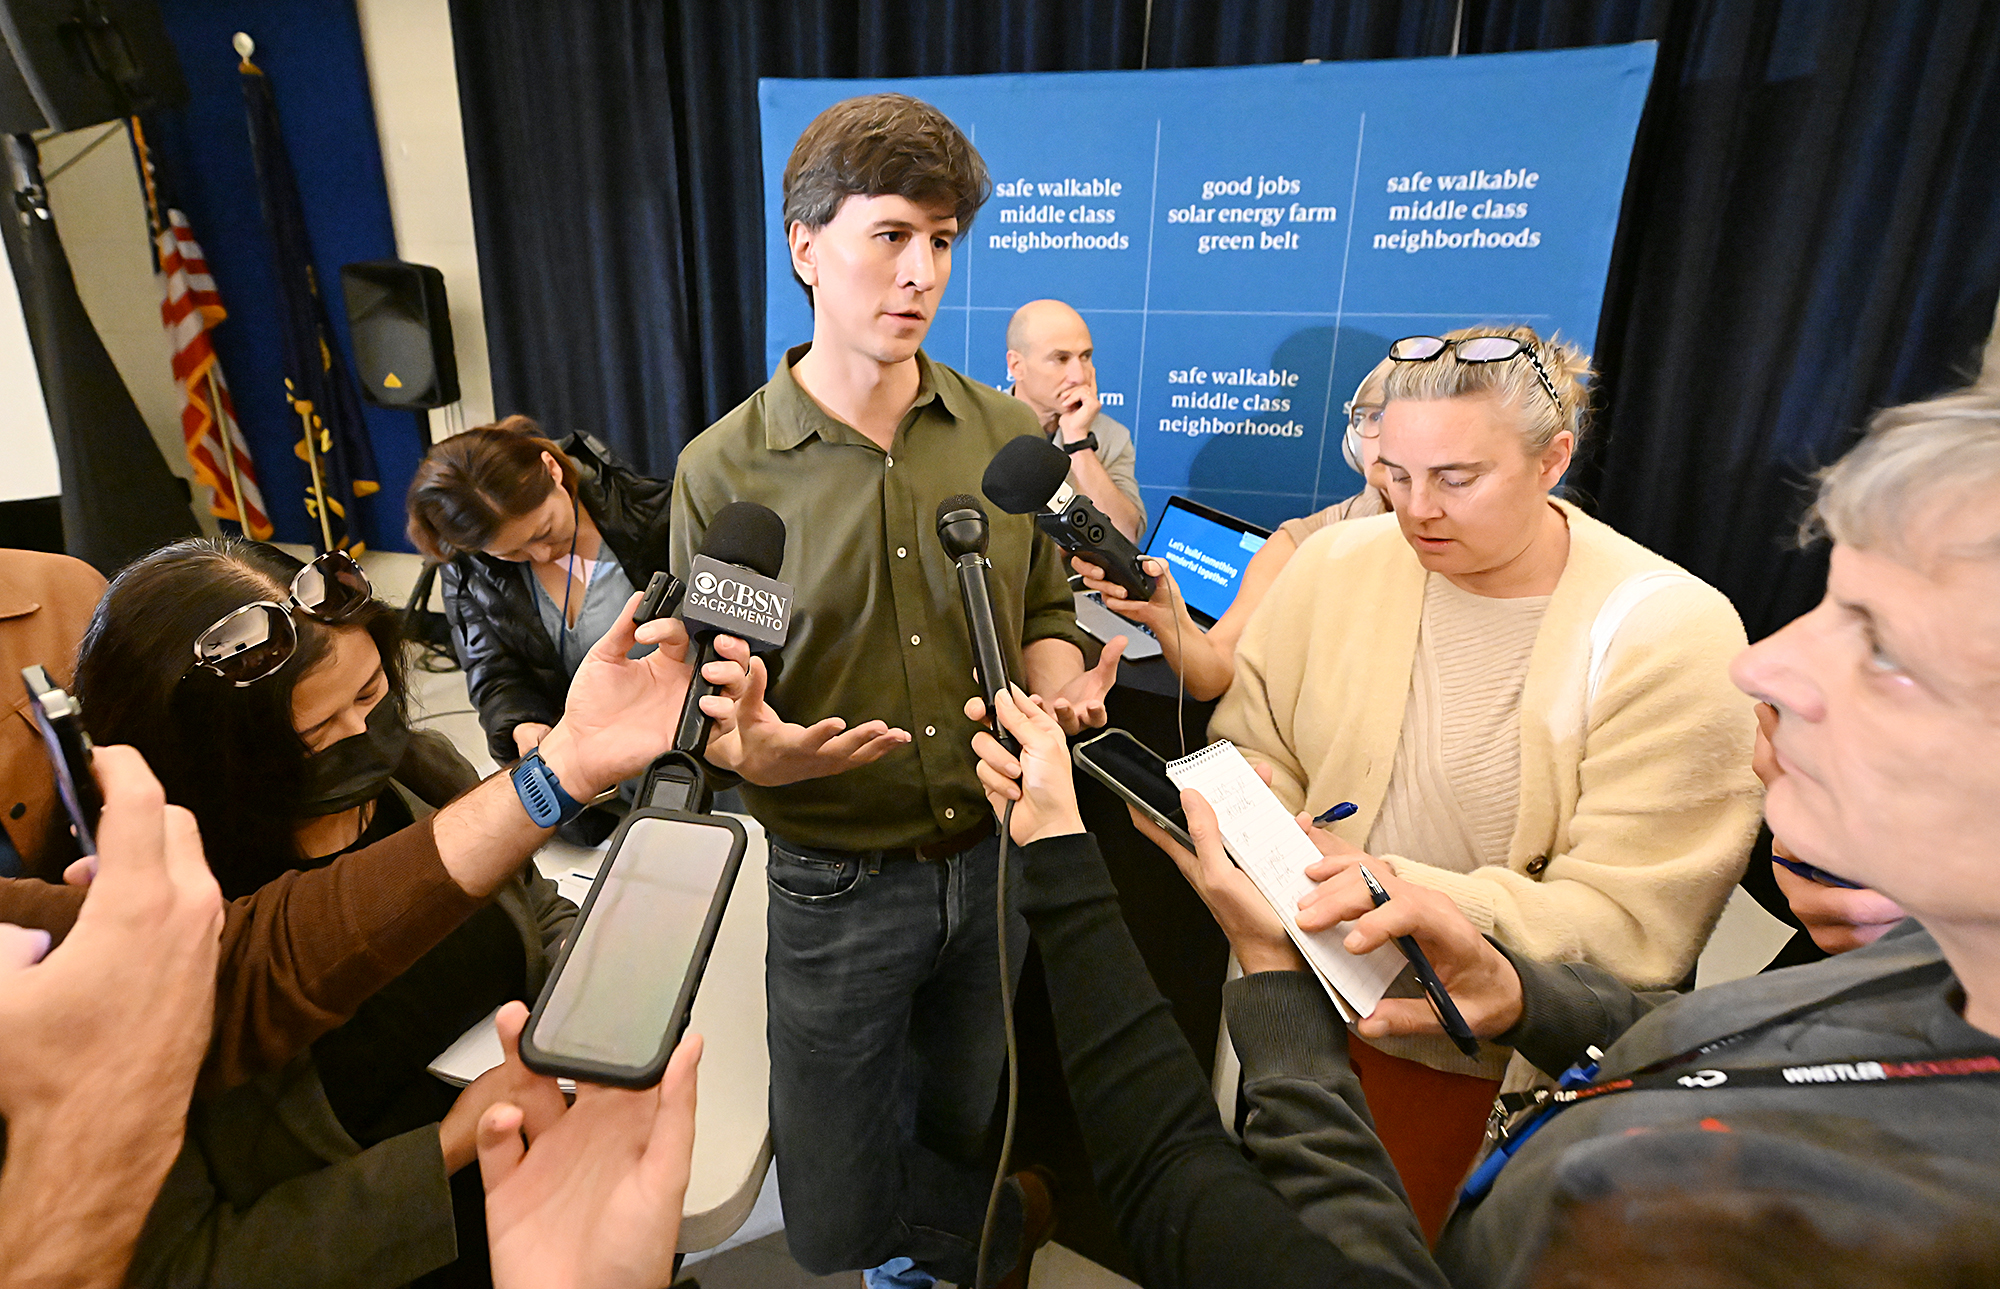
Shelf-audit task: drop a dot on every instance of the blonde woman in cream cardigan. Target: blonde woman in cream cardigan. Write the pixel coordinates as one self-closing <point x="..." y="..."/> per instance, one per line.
<point x="1532" y="713"/>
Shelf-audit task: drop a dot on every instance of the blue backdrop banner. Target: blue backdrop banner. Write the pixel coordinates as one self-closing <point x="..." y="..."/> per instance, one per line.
<point x="1245" y="242"/>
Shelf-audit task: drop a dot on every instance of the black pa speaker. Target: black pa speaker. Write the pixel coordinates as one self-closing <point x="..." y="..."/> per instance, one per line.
<point x="74" y="63"/>
<point x="402" y="333"/>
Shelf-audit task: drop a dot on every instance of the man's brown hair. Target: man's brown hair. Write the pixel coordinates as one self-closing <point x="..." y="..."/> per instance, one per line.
<point x="882" y="145"/>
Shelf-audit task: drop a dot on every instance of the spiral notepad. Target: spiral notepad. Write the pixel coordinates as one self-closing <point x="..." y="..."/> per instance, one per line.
<point x="1266" y="843"/>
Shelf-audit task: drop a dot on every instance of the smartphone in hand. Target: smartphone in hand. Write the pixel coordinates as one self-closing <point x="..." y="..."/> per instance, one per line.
<point x="1139" y="775"/>
<point x="619" y="999"/>
<point x="60" y="720"/>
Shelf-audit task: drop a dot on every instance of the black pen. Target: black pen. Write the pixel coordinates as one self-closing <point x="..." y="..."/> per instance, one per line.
<point x="1454" y="1024"/>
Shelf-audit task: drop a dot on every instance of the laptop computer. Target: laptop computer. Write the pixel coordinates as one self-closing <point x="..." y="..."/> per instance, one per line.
<point x="1207" y="550"/>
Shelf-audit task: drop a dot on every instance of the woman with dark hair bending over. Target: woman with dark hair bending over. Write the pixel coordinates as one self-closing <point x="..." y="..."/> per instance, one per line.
<point x="269" y="697"/>
<point x="542" y="543"/>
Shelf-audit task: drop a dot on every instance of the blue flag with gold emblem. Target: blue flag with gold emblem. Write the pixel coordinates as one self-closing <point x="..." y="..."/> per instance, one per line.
<point x="333" y="439"/>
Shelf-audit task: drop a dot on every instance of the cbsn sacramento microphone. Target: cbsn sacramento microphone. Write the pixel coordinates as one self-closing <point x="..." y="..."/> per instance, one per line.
<point x="1030" y="476"/>
<point x="731" y="591"/>
<point x="963" y="530"/>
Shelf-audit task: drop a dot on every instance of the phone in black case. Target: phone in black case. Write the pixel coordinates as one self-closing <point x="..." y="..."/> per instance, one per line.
<point x="60" y="721"/>
<point x="620" y="996"/>
<point x="1139" y="775"/>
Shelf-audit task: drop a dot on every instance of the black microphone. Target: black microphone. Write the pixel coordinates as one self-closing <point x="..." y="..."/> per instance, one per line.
<point x="1030" y="476"/>
<point x="962" y="529"/>
<point x="731" y="590"/>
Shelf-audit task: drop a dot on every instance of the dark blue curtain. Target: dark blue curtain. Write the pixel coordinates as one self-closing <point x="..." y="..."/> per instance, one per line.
<point x="1811" y="230"/>
<point x="617" y="186"/>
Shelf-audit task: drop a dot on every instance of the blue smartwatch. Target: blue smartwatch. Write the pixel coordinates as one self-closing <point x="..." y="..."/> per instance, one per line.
<point x="543" y="796"/>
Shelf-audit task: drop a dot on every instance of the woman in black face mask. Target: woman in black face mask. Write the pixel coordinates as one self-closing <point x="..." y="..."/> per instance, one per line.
<point x="269" y="697"/>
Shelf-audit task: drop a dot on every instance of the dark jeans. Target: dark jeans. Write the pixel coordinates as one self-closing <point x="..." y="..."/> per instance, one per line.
<point x="886" y="1052"/>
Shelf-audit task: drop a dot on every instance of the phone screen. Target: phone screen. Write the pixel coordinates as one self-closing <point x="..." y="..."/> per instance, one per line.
<point x="1138" y="769"/>
<point x="613" y="999"/>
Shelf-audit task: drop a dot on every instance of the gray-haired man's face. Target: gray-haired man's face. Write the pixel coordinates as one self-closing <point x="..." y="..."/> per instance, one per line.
<point x="1888" y="737"/>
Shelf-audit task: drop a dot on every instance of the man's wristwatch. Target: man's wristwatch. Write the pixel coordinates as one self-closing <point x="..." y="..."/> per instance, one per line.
<point x="1088" y="443"/>
<point x="542" y="794"/>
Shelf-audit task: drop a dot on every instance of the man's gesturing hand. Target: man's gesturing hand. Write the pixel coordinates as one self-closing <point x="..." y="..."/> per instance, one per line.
<point x="594" y="1201"/>
<point x="752" y="740"/>
<point x="1079" y="705"/>
<point x="1476" y="975"/>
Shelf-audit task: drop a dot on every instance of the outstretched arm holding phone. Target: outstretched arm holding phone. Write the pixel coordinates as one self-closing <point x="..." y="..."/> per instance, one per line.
<point x="301" y="953"/>
<point x="1188" y="1205"/>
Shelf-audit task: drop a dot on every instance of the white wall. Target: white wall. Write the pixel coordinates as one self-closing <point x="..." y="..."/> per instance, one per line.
<point x="100" y="212"/>
<point x="27" y="450"/>
<point x="414" y="82"/>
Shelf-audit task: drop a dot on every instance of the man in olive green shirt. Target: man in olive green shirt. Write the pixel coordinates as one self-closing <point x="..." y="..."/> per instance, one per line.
<point x="877" y="630"/>
<point x="884" y="1007"/>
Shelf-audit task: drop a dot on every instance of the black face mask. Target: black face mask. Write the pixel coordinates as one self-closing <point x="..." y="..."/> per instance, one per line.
<point x="354" y="771"/>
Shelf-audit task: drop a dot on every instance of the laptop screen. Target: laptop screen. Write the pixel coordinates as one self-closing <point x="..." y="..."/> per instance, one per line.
<point x="1208" y="551"/>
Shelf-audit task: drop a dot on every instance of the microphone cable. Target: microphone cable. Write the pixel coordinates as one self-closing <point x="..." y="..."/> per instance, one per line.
<point x="1007" y="978"/>
<point x="1007" y="1027"/>
<point x="1179" y="606"/>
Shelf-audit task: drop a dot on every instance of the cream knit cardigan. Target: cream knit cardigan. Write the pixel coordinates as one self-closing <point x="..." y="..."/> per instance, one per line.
<point x="1637" y="807"/>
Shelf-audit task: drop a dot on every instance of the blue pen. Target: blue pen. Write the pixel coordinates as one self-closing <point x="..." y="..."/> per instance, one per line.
<point x="1337" y="813"/>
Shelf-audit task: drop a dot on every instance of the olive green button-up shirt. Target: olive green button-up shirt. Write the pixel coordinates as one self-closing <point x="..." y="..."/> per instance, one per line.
<point x="878" y="629"/>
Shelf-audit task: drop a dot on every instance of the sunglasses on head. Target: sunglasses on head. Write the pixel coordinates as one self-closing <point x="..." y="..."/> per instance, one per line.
<point x="248" y="644"/>
<point x="1474" y="349"/>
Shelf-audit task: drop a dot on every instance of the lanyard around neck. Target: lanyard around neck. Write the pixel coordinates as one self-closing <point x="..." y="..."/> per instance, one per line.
<point x="569" y="572"/>
<point x="1579" y="1082"/>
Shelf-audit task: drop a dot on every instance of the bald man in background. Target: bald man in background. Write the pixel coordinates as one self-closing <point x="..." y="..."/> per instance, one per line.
<point x="1049" y="359"/>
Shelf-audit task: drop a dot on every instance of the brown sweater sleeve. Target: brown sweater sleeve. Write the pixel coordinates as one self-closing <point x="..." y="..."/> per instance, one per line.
<point x="301" y="953"/>
<point x="304" y="951"/>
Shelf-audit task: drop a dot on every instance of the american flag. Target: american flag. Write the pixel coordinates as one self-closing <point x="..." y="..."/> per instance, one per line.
<point x="208" y="416"/>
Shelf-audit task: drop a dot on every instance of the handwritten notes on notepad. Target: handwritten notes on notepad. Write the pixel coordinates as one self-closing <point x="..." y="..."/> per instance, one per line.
<point x="1267" y="845"/>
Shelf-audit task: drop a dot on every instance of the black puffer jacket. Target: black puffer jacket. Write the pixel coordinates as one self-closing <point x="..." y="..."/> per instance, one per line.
<point x="510" y="663"/>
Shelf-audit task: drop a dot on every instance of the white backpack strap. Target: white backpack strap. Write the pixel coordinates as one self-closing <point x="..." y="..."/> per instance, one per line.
<point x="1624" y="598"/>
